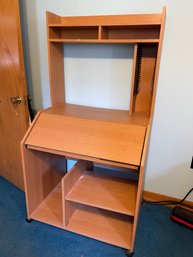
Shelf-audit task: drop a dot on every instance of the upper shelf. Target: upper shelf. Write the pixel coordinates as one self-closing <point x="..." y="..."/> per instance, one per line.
<point x="105" y="29"/>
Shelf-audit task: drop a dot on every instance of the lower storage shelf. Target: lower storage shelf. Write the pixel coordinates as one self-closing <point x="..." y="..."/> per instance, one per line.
<point x="97" y="205"/>
<point x="109" y="227"/>
<point x="50" y="209"/>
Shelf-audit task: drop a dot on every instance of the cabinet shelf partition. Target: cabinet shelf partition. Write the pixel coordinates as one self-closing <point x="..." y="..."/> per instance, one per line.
<point x="108" y="198"/>
<point x="124" y="33"/>
<point x="100" y="196"/>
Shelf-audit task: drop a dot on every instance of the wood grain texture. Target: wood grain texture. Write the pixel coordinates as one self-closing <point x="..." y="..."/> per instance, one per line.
<point x="102" y="225"/>
<point x="146" y="145"/>
<point x="105" y="192"/>
<point x="52" y="18"/>
<point x="79" y="32"/>
<point x="100" y="114"/>
<point x="104" y="34"/>
<point x="140" y="186"/>
<point x="131" y="32"/>
<point x="73" y="156"/>
<point x="158" y="62"/>
<point x="68" y="183"/>
<point x="132" y="19"/>
<point x="56" y="70"/>
<point x="103" y="41"/>
<point x="43" y="171"/>
<point x="56" y="66"/>
<point x="14" y="119"/>
<point x="24" y="159"/>
<point x="96" y="205"/>
<point x="109" y="141"/>
<point x="50" y="209"/>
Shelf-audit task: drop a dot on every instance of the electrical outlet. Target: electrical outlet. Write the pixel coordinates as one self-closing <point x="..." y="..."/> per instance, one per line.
<point x="191" y="166"/>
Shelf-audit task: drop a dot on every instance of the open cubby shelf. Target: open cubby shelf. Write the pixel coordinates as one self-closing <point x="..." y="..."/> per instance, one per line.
<point x="73" y="32"/>
<point x="86" y="213"/>
<point x="88" y="221"/>
<point x="50" y="209"/>
<point x="59" y="33"/>
<point x="105" y="226"/>
<point x="106" y="192"/>
<point x="100" y="197"/>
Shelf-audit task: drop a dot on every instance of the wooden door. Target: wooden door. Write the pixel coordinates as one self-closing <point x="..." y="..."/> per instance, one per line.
<point x="13" y="114"/>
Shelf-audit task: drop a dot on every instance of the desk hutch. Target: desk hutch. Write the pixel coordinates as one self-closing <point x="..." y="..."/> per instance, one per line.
<point x="99" y="203"/>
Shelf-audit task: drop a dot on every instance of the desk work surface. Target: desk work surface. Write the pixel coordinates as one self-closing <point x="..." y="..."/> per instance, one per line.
<point x="114" y="137"/>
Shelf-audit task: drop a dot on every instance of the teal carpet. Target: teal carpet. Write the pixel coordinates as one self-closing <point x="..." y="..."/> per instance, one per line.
<point x="157" y="236"/>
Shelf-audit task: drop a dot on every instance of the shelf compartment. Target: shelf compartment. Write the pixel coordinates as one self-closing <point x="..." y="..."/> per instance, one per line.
<point x="109" y="227"/>
<point x="130" y="32"/>
<point x="73" y="33"/>
<point x="104" y="191"/>
<point x="50" y="209"/>
<point x="42" y="173"/>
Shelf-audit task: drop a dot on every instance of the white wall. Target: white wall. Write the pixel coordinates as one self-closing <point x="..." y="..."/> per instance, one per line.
<point x="171" y="143"/>
<point x="98" y="75"/>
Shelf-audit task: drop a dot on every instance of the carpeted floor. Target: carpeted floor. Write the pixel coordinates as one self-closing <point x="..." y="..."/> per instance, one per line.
<point x="157" y="236"/>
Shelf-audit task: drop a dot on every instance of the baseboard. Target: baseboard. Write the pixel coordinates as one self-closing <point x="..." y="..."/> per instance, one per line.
<point x="151" y="196"/>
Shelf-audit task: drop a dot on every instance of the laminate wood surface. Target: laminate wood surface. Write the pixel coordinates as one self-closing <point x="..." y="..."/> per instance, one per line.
<point x="103" y="41"/>
<point x="68" y="183"/>
<point x="53" y="18"/>
<point x="56" y="66"/>
<point x="131" y="19"/>
<point x="102" y="225"/>
<point x="100" y="114"/>
<point x="50" y="209"/>
<point x="100" y="205"/>
<point x="42" y="172"/>
<point x="105" y="192"/>
<point x="163" y="18"/>
<point x="56" y="72"/>
<point x="140" y="187"/>
<point x="72" y="156"/>
<point x="109" y="141"/>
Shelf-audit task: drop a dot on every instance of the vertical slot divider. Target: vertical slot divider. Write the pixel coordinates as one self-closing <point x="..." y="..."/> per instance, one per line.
<point x="133" y="96"/>
<point x="100" y="32"/>
<point x="104" y="32"/>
